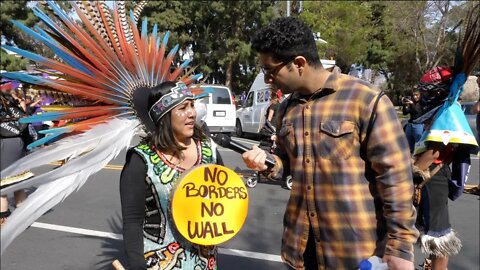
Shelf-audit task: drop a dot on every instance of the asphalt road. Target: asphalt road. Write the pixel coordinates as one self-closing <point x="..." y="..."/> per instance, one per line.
<point x="84" y="232"/>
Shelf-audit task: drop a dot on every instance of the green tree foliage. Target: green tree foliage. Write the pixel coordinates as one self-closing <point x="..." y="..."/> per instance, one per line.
<point x="19" y="11"/>
<point x="219" y="32"/>
<point x="401" y="39"/>
<point x="12" y="63"/>
<point x="421" y="35"/>
<point x="344" y="25"/>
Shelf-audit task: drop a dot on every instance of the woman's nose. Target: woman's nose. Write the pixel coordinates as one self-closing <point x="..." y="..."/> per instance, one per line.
<point x="191" y="112"/>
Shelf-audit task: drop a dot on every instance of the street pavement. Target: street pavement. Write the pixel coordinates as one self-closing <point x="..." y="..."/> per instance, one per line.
<point x="84" y="231"/>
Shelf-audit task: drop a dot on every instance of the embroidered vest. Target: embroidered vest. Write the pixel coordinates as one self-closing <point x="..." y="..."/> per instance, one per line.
<point x="164" y="247"/>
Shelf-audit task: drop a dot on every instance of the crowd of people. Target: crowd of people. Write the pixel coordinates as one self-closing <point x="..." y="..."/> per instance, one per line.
<point x="15" y="137"/>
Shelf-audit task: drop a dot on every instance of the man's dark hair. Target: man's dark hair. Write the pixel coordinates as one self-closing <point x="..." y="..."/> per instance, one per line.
<point x="287" y="38"/>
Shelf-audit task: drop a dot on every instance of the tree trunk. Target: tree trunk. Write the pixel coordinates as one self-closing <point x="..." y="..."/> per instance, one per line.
<point x="229" y="74"/>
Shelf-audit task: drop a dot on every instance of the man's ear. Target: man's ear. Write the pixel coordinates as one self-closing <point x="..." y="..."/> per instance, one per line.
<point x="300" y="62"/>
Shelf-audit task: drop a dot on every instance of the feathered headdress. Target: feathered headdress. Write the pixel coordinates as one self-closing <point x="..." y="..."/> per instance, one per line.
<point x="441" y="87"/>
<point x="108" y="63"/>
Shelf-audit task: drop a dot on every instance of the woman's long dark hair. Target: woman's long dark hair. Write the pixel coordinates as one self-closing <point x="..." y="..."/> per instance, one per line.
<point x="163" y="138"/>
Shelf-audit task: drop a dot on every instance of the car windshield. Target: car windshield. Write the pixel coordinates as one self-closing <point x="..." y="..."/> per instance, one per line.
<point x="220" y="95"/>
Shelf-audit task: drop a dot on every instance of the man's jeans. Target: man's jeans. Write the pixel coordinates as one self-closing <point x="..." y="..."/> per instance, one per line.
<point x="413" y="132"/>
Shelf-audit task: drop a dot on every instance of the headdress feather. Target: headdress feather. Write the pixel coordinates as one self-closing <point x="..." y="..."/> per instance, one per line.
<point x="108" y="64"/>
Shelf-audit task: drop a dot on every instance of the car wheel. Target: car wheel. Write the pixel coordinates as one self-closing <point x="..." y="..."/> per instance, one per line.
<point x="238" y="129"/>
<point x="252" y="181"/>
<point x="289" y="182"/>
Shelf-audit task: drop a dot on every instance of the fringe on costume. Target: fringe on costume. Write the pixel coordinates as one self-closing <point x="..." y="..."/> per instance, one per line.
<point x="425" y="175"/>
<point x="443" y="246"/>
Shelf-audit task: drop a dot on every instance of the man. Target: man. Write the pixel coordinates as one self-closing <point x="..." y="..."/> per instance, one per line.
<point x="413" y="130"/>
<point x="335" y="216"/>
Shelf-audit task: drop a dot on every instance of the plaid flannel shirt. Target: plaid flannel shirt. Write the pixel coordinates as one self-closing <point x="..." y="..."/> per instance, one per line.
<point x="352" y="217"/>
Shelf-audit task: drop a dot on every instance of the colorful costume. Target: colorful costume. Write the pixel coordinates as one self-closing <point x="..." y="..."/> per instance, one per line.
<point x="446" y="130"/>
<point x="108" y="64"/>
<point x="449" y="127"/>
<point x="163" y="246"/>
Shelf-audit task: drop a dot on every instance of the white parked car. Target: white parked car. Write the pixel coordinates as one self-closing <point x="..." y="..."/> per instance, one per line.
<point x="251" y="115"/>
<point x="220" y="109"/>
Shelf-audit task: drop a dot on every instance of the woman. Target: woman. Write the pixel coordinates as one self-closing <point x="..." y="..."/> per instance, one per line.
<point x="268" y="130"/>
<point x="148" y="179"/>
<point x="273" y="107"/>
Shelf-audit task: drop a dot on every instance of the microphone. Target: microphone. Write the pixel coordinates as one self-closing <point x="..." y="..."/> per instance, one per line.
<point x="225" y="141"/>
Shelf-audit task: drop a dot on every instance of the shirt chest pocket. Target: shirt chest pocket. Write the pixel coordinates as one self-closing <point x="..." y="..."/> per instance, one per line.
<point x="336" y="139"/>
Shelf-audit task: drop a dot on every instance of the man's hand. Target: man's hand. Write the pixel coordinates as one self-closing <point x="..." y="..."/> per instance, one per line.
<point x="406" y="101"/>
<point x="255" y="159"/>
<point x="396" y="263"/>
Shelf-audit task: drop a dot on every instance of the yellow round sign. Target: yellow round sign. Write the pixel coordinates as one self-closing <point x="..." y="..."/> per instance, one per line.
<point x="210" y="204"/>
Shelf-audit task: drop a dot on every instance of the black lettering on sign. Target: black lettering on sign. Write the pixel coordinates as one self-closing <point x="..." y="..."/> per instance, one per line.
<point x="214" y="192"/>
<point x="207" y="229"/>
<point x="220" y="176"/>
<point x="214" y="209"/>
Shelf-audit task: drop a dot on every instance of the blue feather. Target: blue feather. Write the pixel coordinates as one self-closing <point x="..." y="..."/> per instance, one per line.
<point x="56" y="130"/>
<point x="42" y="16"/>
<point x="43" y="140"/>
<point x="144" y="28"/>
<point x="197" y="76"/>
<point x="132" y="18"/>
<point x="208" y="89"/>
<point x="37" y="80"/>
<point x="45" y="35"/>
<point x="174" y="50"/>
<point x="158" y="44"/>
<point x="54" y="47"/>
<point x="48" y="116"/>
<point x="165" y="38"/>
<point x="154" y="32"/>
<point x="185" y="63"/>
<point x="27" y="54"/>
<point x="60" y="12"/>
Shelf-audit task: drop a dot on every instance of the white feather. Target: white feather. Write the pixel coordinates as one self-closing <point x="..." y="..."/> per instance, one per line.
<point x="67" y="148"/>
<point x="111" y="138"/>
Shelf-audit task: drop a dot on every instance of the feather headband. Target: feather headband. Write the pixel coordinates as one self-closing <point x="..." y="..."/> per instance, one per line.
<point x="167" y="102"/>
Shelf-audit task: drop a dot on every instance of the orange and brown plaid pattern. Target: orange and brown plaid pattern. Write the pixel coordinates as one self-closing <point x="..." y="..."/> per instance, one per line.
<point x="352" y="217"/>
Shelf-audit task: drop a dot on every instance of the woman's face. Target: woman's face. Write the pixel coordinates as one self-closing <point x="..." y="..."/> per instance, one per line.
<point x="183" y="120"/>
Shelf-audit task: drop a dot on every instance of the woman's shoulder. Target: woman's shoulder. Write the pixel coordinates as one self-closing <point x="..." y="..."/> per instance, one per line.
<point x="207" y="142"/>
<point x="208" y="151"/>
<point x="141" y="150"/>
<point x="140" y="146"/>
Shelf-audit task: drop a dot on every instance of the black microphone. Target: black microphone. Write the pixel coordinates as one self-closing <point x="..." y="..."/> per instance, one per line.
<point x="225" y="141"/>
